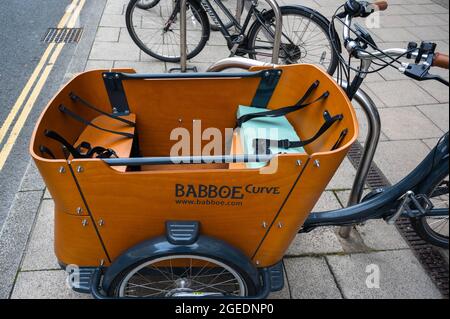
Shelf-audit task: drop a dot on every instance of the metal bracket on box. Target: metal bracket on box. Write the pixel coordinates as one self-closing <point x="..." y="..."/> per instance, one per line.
<point x="116" y="93"/>
<point x="269" y="81"/>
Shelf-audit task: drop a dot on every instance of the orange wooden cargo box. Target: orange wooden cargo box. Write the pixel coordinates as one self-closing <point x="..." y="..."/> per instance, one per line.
<point x="124" y="193"/>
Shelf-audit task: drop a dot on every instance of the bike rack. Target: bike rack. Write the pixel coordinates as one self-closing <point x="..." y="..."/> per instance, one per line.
<point x="183" y="41"/>
<point x="183" y="34"/>
<point x="373" y="131"/>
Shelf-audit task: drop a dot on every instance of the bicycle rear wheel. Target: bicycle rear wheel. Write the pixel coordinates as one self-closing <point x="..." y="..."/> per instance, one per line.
<point x="305" y="38"/>
<point x="156" y="30"/>
<point x="435" y="230"/>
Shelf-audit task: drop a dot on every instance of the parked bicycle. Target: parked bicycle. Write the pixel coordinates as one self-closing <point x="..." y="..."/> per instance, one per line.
<point x="154" y="27"/>
<point x="429" y="198"/>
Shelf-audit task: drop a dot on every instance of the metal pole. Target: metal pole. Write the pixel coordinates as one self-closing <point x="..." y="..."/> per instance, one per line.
<point x="278" y="30"/>
<point x="183" y="37"/>
<point x="373" y="137"/>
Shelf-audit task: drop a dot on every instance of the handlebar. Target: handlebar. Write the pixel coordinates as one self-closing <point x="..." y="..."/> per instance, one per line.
<point x="354" y="8"/>
<point x="357" y="47"/>
<point x="362" y="9"/>
<point x="381" y="5"/>
<point x="441" y="60"/>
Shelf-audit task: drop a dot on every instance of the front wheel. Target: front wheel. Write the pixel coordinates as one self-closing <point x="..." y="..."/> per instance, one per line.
<point x="156" y="30"/>
<point x="435" y="230"/>
<point x="189" y="275"/>
<point x="305" y="38"/>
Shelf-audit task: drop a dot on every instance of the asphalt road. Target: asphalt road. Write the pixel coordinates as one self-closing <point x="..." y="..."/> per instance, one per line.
<point x="23" y="24"/>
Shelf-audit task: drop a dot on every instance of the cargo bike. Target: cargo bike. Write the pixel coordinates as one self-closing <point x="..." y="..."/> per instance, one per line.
<point x="133" y="218"/>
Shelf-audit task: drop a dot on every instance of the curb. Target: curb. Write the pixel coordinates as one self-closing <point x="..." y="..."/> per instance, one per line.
<point x="20" y="220"/>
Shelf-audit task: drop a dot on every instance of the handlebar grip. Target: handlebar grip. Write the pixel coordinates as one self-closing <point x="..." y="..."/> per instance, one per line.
<point x="441" y="60"/>
<point x="382" y="5"/>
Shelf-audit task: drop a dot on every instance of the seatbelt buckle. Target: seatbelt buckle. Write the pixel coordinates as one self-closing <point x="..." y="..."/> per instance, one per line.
<point x="261" y="146"/>
<point x="284" y="144"/>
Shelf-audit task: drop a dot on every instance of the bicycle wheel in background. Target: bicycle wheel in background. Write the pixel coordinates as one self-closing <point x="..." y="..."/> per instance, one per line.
<point x="156" y="30"/>
<point x="435" y="230"/>
<point x="305" y="39"/>
<point x="147" y="4"/>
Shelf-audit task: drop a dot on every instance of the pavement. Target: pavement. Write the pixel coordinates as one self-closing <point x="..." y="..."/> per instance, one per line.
<point x="318" y="265"/>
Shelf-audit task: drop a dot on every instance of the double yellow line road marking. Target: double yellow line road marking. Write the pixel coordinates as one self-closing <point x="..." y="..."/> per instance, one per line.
<point x="26" y="100"/>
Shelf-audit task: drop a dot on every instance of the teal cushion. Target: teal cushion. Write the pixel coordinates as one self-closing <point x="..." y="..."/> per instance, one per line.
<point x="271" y="128"/>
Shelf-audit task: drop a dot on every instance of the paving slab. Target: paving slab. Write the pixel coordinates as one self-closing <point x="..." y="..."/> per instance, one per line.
<point x="32" y="180"/>
<point x="99" y="64"/>
<point x="107" y="34"/>
<point x="437" y="90"/>
<point x="50" y="284"/>
<point x="344" y="177"/>
<point x="396" y="159"/>
<point x="310" y="278"/>
<point x="437" y="113"/>
<point x="401" y="276"/>
<point x="401" y="93"/>
<point x="378" y="235"/>
<point x="113" y="20"/>
<point x="14" y="237"/>
<point x="114" y="51"/>
<point x="320" y="241"/>
<point x="407" y="123"/>
<point x="40" y="251"/>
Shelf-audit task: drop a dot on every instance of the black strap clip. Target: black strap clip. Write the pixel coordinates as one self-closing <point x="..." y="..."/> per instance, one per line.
<point x="261" y="146"/>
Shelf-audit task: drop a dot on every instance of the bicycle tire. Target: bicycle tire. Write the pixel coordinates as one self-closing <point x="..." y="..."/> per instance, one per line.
<point x="304" y="13"/>
<point x="118" y="285"/>
<point x="420" y="224"/>
<point x="199" y="15"/>
<point x="147" y="5"/>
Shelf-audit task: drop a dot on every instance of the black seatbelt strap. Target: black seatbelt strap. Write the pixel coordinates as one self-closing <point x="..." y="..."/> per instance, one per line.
<point x="341" y="138"/>
<point x="55" y="136"/>
<point x="84" y="150"/>
<point x="262" y="146"/>
<point x="75" y="116"/>
<point x="285" y="110"/>
<point x="46" y="151"/>
<point x="76" y="98"/>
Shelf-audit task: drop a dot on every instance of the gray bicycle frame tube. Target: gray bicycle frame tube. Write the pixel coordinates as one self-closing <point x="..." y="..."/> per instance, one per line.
<point x="381" y="206"/>
<point x="278" y="23"/>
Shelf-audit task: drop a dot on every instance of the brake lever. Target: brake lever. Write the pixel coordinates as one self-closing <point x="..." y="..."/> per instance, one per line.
<point x="421" y="72"/>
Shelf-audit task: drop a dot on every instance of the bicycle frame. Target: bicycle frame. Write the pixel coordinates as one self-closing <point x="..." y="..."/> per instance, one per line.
<point x="206" y="4"/>
<point x="234" y="41"/>
<point x="386" y="203"/>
